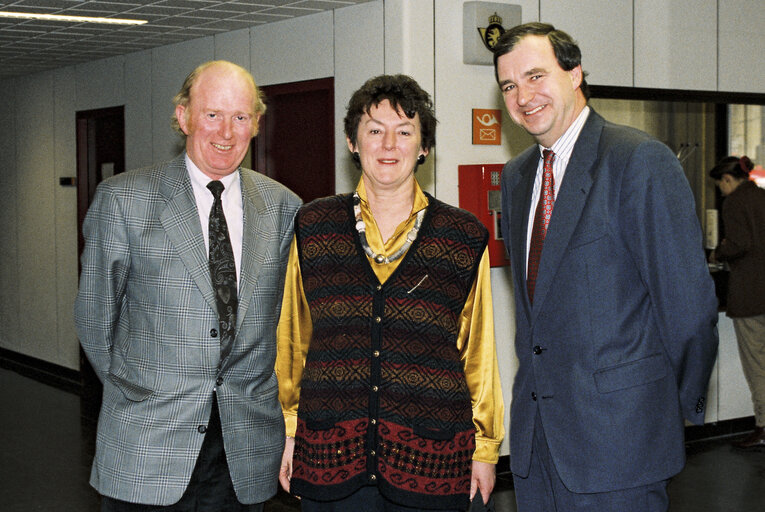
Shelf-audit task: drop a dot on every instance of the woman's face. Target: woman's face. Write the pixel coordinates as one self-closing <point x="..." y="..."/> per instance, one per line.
<point x="728" y="184"/>
<point x="388" y="144"/>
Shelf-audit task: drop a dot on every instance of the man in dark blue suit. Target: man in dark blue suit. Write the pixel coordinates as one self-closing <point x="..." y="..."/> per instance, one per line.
<point x="615" y="309"/>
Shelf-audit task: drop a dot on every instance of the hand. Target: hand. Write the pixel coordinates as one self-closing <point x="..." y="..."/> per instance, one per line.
<point x="285" y="472"/>
<point x="483" y="477"/>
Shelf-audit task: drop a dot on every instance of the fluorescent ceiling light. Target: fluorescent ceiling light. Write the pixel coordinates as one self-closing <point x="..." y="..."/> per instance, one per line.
<point x="71" y="19"/>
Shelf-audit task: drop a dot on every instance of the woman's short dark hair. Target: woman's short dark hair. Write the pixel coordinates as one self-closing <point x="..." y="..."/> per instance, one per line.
<point x="404" y="93"/>
<point x="566" y="50"/>
<point x="738" y="167"/>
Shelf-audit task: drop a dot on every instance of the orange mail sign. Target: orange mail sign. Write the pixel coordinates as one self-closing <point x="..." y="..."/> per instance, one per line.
<point x="487" y="126"/>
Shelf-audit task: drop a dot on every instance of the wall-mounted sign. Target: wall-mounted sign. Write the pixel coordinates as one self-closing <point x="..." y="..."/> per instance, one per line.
<point x="482" y="24"/>
<point x="487" y="126"/>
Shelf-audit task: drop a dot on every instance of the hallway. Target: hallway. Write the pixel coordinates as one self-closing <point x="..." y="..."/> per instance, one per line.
<point x="47" y="446"/>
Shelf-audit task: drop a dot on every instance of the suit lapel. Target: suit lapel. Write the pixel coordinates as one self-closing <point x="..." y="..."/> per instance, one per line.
<point x="521" y="203"/>
<point x="569" y="205"/>
<point x="180" y="219"/>
<point x="257" y="225"/>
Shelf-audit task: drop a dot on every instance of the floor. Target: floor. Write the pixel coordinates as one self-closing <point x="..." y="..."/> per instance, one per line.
<point x="46" y="448"/>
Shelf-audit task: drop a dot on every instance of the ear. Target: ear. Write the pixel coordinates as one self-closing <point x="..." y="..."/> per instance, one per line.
<point x="576" y="76"/>
<point x="255" y="125"/>
<point x="351" y="147"/>
<point x="424" y="152"/>
<point x="180" y="115"/>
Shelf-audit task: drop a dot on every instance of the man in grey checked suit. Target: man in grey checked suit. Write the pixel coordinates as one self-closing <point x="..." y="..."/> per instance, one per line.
<point x="185" y="425"/>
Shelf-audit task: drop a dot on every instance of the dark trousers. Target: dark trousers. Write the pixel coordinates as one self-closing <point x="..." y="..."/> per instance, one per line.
<point x="544" y="491"/>
<point x="210" y="488"/>
<point x="366" y="499"/>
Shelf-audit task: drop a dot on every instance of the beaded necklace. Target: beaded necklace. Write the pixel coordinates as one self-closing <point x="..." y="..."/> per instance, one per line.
<point x="362" y="228"/>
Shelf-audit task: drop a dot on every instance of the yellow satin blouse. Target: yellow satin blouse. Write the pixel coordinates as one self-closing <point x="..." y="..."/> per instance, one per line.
<point x="475" y="341"/>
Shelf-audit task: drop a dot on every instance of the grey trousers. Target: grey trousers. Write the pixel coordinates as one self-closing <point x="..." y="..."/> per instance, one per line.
<point x="750" y="335"/>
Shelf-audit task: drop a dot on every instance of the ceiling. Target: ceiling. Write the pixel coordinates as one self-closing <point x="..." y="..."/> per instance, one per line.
<point x="29" y="46"/>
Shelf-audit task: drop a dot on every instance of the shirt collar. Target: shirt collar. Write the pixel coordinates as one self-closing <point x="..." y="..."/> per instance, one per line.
<point x="420" y="199"/>
<point x="564" y="146"/>
<point x="201" y="179"/>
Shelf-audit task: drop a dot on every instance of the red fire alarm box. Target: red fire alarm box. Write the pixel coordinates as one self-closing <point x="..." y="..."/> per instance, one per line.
<point x="479" y="193"/>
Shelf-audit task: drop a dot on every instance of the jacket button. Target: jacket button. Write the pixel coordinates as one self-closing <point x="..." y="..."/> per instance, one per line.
<point x="534" y="396"/>
<point x="202" y="429"/>
<point x="537" y="350"/>
<point x="219" y="381"/>
<point x="214" y="333"/>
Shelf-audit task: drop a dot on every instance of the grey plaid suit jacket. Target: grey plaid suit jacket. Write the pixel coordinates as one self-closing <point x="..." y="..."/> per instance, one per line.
<point x="145" y="315"/>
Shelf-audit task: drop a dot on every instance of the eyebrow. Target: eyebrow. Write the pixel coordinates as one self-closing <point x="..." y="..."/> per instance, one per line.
<point x="530" y="72"/>
<point x="407" y="122"/>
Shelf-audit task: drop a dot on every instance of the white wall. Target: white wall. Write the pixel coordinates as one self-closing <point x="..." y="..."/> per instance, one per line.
<point x="422" y="38"/>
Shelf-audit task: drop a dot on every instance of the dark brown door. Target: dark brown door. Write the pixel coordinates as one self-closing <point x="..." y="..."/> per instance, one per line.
<point x="296" y="142"/>
<point x="100" y="154"/>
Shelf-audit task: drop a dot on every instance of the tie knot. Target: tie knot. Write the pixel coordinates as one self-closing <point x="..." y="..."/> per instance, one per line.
<point x="216" y="187"/>
<point x="549" y="157"/>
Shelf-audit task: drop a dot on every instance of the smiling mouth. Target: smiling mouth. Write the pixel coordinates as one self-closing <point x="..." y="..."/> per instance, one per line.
<point x="534" y="110"/>
<point x="221" y="147"/>
<point x="384" y="161"/>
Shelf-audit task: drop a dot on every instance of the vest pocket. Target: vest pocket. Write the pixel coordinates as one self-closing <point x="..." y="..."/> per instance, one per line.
<point x="320" y="424"/>
<point x="435" y="434"/>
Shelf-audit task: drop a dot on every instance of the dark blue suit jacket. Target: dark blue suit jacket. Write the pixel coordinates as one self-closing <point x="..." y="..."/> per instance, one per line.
<point x="620" y="342"/>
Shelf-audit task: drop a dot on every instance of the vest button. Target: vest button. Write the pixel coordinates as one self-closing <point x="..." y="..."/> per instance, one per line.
<point x="375" y="388"/>
<point x="533" y="396"/>
<point x="378" y="287"/>
<point x="373" y="421"/>
<point x="219" y="381"/>
<point x="378" y="319"/>
<point x="376" y="353"/>
<point x="372" y="478"/>
<point x="372" y="453"/>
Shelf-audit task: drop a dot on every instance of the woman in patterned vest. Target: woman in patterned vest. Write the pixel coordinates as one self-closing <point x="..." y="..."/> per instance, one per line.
<point x="386" y="361"/>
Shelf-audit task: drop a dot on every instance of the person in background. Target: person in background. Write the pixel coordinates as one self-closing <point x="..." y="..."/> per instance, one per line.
<point x="180" y="291"/>
<point x="743" y="249"/>
<point x="386" y="363"/>
<point x="615" y="308"/>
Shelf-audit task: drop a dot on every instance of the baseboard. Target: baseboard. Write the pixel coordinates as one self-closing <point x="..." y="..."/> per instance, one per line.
<point x="718" y="429"/>
<point x="41" y="371"/>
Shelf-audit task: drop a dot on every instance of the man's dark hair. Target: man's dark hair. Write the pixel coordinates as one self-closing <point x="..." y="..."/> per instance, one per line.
<point x="566" y="50"/>
<point x="402" y="92"/>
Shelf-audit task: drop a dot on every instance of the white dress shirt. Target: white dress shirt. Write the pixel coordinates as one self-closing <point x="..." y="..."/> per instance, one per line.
<point x="563" y="147"/>
<point x="232" y="207"/>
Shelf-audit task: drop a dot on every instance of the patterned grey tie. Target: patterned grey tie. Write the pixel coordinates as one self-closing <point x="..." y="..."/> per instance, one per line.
<point x="222" y="270"/>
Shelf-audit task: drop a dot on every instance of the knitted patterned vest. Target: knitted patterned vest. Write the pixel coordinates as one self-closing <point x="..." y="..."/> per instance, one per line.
<point x="383" y="397"/>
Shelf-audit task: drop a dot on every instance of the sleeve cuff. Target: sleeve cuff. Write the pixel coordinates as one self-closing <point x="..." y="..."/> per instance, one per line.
<point x="486" y="450"/>
<point x="290" y="424"/>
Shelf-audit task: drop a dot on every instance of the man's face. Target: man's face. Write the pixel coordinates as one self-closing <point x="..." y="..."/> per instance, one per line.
<point x="219" y="121"/>
<point x="539" y="95"/>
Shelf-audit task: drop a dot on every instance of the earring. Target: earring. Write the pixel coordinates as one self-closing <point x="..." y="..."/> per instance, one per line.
<point x="420" y="159"/>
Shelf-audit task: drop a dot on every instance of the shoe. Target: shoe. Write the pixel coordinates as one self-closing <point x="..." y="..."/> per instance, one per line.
<point x="755" y="440"/>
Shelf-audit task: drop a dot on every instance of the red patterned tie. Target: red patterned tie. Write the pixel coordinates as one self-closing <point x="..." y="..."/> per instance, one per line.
<point x="541" y="221"/>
